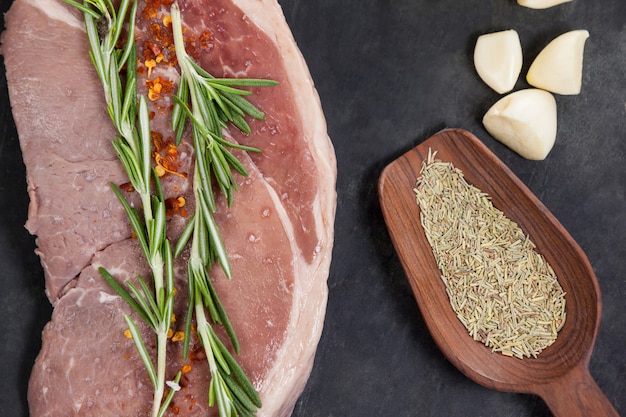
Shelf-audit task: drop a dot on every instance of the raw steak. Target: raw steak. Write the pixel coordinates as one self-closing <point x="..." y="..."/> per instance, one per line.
<point x="278" y="233"/>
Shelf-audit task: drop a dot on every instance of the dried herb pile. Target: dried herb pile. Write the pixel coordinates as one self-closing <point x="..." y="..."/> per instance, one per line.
<point x="502" y="290"/>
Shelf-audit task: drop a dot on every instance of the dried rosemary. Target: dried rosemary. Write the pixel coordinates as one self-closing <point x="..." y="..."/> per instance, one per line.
<point x="505" y="293"/>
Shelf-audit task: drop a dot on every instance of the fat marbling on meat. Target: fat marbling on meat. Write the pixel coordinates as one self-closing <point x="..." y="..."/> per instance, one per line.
<point x="278" y="233"/>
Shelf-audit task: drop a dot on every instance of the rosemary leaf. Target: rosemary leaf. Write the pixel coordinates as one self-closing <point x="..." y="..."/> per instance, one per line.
<point x="180" y="109"/>
<point x="214" y="236"/>
<point x="215" y="349"/>
<point x="150" y="299"/>
<point x="220" y="168"/>
<point x="121" y="291"/>
<point x="223" y="319"/>
<point x="200" y="281"/>
<point x="120" y="19"/>
<point x="135" y="222"/>
<point x="242" y="379"/>
<point x="147" y="304"/>
<point x="243" y="402"/>
<point x="241" y="124"/>
<point x="191" y="291"/>
<point x="169" y="282"/>
<point x="128" y="106"/>
<point x="129" y="54"/>
<point x="141" y="349"/>
<point x="244" y="82"/>
<point x="128" y="160"/>
<point x="158" y="237"/>
<point x="244" y="105"/>
<point x="83" y="8"/>
<point x="236" y="165"/>
<point x="146" y="139"/>
<point x="96" y="53"/>
<point x="184" y="237"/>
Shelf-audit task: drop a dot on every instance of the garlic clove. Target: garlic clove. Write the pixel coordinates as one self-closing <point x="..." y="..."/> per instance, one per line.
<point x="525" y="121"/>
<point x="558" y="67"/>
<point x="498" y="59"/>
<point x="540" y="4"/>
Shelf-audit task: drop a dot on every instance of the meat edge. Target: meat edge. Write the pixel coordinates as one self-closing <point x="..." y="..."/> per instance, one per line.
<point x="291" y="371"/>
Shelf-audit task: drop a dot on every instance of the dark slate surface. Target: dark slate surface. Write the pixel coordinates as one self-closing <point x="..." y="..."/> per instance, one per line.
<point x="390" y="74"/>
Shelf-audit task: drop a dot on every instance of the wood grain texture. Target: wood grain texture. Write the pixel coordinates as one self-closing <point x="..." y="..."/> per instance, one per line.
<point x="560" y="373"/>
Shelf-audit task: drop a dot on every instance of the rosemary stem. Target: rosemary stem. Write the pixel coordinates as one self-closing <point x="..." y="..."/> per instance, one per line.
<point x="179" y="43"/>
<point x="161" y="362"/>
<point x="158" y="278"/>
<point x="218" y="392"/>
<point x="147" y="207"/>
<point x="185" y="68"/>
<point x="157" y="267"/>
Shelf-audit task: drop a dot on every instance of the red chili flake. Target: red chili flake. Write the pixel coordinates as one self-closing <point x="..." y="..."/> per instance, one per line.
<point x="147" y="54"/>
<point x="150" y="64"/>
<point x="167" y="86"/>
<point x="155" y="30"/>
<point x="174" y="205"/>
<point x="156" y="49"/>
<point x="167" y="165"/>
<point x="205" y="39"/>
<point x="173" y="61"/>
<point x="190" y="47"/>
<point x="150" y="12"/>
<point x="157" y="140"/>
<point x="155" y="88"/>
<point x="127" y="186"/>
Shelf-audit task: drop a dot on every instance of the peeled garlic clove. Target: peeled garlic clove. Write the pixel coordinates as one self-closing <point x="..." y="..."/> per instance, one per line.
<point x="540" y="4"/>
<point x="525" y="121"/>
<point x="498" y="59"/>
<point x="559" y="66"/>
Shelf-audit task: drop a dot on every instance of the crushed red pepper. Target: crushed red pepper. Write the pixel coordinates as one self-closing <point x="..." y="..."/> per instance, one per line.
<point x="157" y="141"/>
<point x="160" y="45"/>
<point x="127" y="186"/>
<point x="159" y="87"/>
<point x="168" y="163"/>
<point x="176" y="206"/>
<point x="205" y="39"/>
<point x="158" y="50"/>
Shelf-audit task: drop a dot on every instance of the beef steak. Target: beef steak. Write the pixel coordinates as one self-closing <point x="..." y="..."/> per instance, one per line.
<point x="278" y="233"/>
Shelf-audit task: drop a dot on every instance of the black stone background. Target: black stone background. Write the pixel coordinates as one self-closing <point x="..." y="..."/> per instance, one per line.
<point x="390" y="73"/>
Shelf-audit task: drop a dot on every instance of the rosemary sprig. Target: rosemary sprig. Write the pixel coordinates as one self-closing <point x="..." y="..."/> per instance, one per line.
<point x="104" y="25"/>
<point x="210" y="104"/>
<point x="214" y="102"/>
